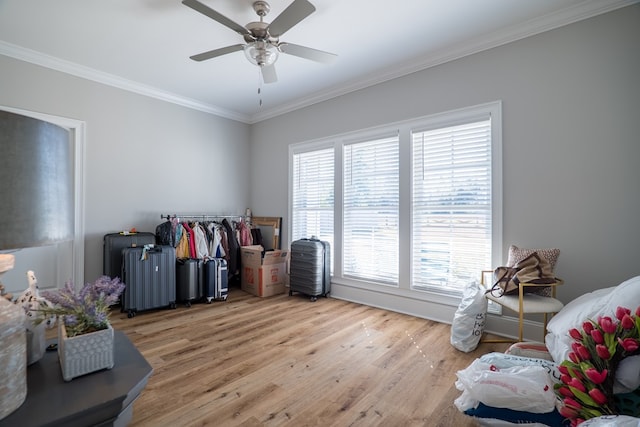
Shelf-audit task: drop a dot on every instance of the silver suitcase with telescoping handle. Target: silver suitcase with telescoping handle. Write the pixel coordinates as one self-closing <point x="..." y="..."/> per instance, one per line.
<point x="310" y="268"/>
<point x="215" y="280"/>
<point x="188" y="280"/>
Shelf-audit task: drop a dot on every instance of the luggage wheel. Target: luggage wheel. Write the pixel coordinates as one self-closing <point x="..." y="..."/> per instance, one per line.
<point x="172" y="305"/>
<point x="131" y="314"/>
<point x="314" y="299"/>
<point x="187" y="304"/>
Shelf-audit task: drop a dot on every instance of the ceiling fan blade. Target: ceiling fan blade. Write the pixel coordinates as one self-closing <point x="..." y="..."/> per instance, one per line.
<point x="307" y="53"/>
<point x="294" y="13"/>
<point x="206" y="10"/>
<point x="269" y="74"/>
<point x="217" y="52"/>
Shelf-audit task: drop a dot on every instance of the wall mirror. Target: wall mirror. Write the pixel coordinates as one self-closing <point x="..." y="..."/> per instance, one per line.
<point x="269" y="229"/>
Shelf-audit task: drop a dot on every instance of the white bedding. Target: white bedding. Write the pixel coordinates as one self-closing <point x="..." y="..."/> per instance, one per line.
<point x="602" y="302"/>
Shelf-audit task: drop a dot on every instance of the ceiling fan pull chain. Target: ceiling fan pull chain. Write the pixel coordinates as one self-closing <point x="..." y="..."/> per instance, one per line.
<point x="259" y="88"/>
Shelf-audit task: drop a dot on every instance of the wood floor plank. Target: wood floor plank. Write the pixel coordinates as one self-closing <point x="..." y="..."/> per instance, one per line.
<point x="287" y="361"/>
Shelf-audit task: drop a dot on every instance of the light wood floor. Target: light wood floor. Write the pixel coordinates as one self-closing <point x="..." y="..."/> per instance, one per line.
<point x="285" y="361"/>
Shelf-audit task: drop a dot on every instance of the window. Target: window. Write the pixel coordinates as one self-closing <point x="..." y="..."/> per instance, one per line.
<point x="370" y="210"/>
<point x="412" y="206"/>
<point x="313" y="199"/>
<point x="451" y="208"/>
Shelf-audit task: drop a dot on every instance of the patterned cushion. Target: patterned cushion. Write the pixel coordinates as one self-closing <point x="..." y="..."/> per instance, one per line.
<point x="517" y="254"/>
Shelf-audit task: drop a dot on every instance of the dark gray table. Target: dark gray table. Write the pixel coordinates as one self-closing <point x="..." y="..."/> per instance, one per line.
<point x="103" y="398"/>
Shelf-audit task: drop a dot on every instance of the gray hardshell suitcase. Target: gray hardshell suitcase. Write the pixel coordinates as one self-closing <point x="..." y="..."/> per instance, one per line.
<point x="188" y="280"/>
<point x="215" y="279"/>
<point x="149" y="274"/>
<point x="310" y="268"/>
<point x="114" y="243"/>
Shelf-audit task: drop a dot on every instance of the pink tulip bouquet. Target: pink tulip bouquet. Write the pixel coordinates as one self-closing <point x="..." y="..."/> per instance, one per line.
<point x="587" y="377"/>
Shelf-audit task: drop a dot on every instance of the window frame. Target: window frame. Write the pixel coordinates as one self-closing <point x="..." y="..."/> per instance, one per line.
<point x="482" y="123"/>
<point x="343" y="147"/>
<point x="404" y="129"/>
<point x="301" y="148"/>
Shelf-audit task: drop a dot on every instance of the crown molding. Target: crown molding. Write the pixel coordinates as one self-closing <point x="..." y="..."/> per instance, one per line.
<point x="582" y="11"/>
<point x="81" y="71"/>
<point x="579" y="12"/>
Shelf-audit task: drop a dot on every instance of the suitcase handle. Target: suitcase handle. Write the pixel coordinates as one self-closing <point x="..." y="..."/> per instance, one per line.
<point x="150" y="248"/>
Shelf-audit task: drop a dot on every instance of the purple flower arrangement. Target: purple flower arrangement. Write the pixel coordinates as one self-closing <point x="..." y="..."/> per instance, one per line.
<point x="588" y="376"/>
<point x="86" y="310"/>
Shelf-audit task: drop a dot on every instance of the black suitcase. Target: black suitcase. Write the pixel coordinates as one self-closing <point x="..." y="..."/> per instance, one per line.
<point x="188" y="280"/>
<point x="310" y="268"/>
<point x="150" y="278"/>
<point x="114" y="243"/>
<point x="215" y="279"/>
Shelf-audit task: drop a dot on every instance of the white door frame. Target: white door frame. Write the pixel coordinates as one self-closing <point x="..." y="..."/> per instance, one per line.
<point x="74" y="250"/>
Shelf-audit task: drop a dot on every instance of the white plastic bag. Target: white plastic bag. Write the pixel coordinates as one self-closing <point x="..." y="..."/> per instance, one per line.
<point x="468" y="322"/>
<point x="502" y="360"/>
<point x="612" y="421"/>
<point x="521" y="388"/>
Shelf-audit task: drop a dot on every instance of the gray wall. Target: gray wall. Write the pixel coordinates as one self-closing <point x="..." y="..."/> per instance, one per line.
<point x="571" y="115"/>
<point x="571" y="150"/>
<point x="144" y="157"/>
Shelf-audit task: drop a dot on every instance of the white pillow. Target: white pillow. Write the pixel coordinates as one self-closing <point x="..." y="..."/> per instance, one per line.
<point x="573" y="315"/>
<point x="626" y="294"/>
<point x="602" y="302"/>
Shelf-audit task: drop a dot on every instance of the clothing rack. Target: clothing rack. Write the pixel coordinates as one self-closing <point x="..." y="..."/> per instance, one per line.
<point x="241" y="222"/>
<point x="205" y="217"/>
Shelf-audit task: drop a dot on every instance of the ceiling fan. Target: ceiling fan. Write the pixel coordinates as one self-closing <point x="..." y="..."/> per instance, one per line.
<point x="262" y="39"/>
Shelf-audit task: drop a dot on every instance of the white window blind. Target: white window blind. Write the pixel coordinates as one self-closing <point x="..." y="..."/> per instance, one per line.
<point x="451" y="206"/>
<point x="313" y="195"/>
<point x="370" y="210"/>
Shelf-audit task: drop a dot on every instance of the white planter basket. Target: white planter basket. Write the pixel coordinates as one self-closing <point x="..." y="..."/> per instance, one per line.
<point x="86" y="353"/>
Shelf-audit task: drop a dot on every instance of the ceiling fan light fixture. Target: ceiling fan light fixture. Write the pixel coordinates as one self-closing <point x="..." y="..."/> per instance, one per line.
<point x="261" y="53"/>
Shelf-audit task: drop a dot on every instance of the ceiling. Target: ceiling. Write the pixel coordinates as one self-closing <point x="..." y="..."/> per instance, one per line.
<point x="144" y="45"/>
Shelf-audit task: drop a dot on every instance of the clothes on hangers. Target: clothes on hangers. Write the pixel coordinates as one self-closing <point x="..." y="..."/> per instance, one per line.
<point x="203" y="237"/>
<point x="216" y="247"/>
<point x="234" y="248"/>
<point x="256" y="236"/>
<point x="182" y="249"/>
<point x="245" y="235"/>
<point x="201" y="243"/>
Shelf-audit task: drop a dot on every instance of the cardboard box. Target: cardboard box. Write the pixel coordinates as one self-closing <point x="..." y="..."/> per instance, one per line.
<point x="260" y="275"/>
